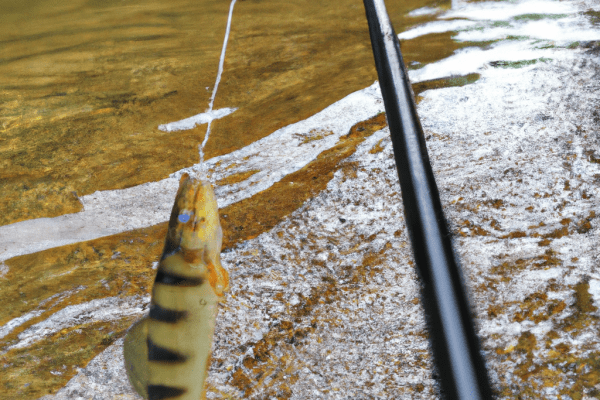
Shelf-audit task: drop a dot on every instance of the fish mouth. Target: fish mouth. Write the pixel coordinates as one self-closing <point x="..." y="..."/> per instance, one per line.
<point x="193" y="218"/>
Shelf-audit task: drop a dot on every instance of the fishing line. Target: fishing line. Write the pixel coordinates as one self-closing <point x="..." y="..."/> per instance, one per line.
<point x="216" y="87"/>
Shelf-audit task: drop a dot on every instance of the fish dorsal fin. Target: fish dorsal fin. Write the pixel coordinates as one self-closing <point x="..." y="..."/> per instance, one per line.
<point x="135" y="350"/>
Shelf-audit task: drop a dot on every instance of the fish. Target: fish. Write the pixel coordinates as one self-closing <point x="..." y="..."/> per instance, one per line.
<point x="167" y="353"/>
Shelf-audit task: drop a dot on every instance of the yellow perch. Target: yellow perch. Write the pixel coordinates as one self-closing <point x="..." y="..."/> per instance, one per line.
<point x="167" y="353"/>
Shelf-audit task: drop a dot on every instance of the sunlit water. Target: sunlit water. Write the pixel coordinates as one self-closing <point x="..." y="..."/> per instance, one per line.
<point x="93" y="96"/>
<point x="86" y="85"/>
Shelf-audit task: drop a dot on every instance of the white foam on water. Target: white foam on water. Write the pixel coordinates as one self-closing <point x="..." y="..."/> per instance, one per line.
<point x="199" y="119"/>
<point x="16" y="322"/>
<point x="437" y="27"/>
<point x="473" y="59"/>
<point x="560" y="32"/>
<point x="552" y="21"/>
<point x="106" y="309"/>
<point x="497" y="11"/>
<point x="423" y="11"/>
<point x="538" y="35"/>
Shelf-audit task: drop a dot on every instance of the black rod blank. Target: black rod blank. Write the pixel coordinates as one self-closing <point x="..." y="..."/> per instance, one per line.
<point x="455" y="345"/>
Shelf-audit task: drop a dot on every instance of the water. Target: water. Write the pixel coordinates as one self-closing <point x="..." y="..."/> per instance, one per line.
<point x="87" y="86"/>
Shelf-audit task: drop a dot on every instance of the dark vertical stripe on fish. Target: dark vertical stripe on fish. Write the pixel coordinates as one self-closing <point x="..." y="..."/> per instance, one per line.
<point x="160" y="354"/>
<point x="158" y="313"/>
<point x="173" y="239"/>
<point x="160" y="392"/>
<point x="167" y="278"/>
<point x="171" y="248"/>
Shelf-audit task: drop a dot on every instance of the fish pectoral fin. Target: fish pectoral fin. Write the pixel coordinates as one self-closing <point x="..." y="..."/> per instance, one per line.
<point x="218" y="277"/>
<point x="135" y="350"/>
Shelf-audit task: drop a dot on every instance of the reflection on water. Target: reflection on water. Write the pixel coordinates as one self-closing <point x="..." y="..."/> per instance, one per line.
<point x="85" y="85"/>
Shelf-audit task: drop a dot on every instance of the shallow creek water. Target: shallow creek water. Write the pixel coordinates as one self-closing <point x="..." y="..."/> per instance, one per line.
<point x="86" y="84"/>
<point x="324" y="300"/>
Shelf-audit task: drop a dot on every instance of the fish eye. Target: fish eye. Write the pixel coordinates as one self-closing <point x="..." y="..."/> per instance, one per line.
<point x="183" y="218"/>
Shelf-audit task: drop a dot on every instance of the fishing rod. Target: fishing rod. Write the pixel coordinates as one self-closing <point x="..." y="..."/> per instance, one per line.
<point x="456" y="350"/>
